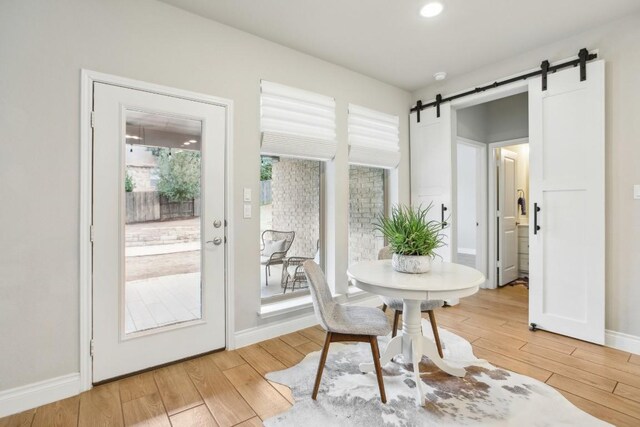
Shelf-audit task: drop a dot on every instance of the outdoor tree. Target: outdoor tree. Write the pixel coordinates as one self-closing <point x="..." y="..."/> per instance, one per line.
<point x="179" y="174"/>
<point x="265" y="168"/>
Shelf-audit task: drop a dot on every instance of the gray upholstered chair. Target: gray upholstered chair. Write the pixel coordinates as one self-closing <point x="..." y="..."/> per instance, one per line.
<point x="344" y="323"/>
<point x="396" y="305"/>
<point x="275" y="245"/>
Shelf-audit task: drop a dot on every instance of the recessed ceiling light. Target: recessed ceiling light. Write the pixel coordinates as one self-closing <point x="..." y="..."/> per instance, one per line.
<point x="187" y="143"/>
<point x="193" y="141"/>
<point x="440" y="75"/>
<point x="432" y="9"/>
<point x="133" y="137"/>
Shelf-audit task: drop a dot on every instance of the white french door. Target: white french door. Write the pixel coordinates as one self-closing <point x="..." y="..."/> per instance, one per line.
<point x="431" y="168"/>
<point x="158" y="229"/>
<point x="507" y="229"/>
<point x="567" y="206"/>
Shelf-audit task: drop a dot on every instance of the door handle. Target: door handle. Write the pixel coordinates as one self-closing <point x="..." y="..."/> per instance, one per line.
<point x="536" y="227"/>
<point x="216" y="241"/>
<point x="443" y="208"/>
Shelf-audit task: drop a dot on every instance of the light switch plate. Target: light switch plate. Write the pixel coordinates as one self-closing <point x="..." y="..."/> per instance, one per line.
<point x="247" y="194"/>
<point x="636" y="191"/>
<point x="247" y="210"/>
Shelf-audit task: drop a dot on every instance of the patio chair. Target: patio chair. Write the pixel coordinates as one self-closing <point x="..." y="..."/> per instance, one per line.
<point x="293" y="270"/>
<point x="427" y="306"/>
<point x="275" y="245"/>
<point x="344" y="323"/>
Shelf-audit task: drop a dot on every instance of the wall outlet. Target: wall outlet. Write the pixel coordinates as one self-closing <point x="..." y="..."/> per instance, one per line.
<point x="247" y="210"/>
<point x="636" y="191"/>
<point x="247" y="195"/>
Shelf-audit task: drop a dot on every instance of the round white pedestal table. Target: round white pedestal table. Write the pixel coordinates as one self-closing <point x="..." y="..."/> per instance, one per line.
<point x="445" y="281"/>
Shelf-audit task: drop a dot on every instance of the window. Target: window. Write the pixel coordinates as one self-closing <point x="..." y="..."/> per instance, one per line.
<point x="366" y="203"/>
<point x="298" y="134"/>
<point x="290" y="207"/>
<point x="374" y="146"/>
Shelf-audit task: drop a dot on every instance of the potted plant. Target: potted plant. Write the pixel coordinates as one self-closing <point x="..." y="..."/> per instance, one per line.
<point x="412" y="237"/>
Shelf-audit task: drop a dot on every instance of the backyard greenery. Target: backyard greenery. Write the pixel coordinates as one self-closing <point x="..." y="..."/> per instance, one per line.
<point x="409" y="232"/>
<point x="129" y="185"/>
<point x="265" y="168"/>
<point x="179" y="174"/>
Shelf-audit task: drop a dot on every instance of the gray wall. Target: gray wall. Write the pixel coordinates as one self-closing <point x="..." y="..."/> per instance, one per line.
<point x="467" y="196"/>
<point x="499" y="120"/>
<point x="472" y="123"/>
<point x="43" y="46"/>
<point x="618" y="44"/>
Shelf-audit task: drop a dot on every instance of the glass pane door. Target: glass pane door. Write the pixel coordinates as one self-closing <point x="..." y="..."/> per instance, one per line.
<point x="162" y="232"/>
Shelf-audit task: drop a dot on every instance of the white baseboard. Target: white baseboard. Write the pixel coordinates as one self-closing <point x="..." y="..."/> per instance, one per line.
<point x="271" y="330"/>
<point x="264" y="332"/>
<point x="622" y="341"/>
<point x="32" y="395"/>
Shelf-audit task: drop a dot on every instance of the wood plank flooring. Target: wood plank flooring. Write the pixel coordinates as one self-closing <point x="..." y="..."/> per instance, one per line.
<point x="229" y="389"/>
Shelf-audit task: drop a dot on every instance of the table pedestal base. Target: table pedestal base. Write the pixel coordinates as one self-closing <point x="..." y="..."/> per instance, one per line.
<point x="413" y="345"/>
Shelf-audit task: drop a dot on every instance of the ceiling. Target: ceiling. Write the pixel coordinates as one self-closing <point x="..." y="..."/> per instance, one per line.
<point x="390" y="41"/>
<point x="157" y="130"/>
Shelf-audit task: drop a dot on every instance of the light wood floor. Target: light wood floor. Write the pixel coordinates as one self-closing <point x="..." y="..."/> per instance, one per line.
<point x="229" y="388"/>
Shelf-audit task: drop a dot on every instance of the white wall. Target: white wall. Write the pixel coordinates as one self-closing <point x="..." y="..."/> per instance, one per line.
<point x="43" y="46"/>
<point x="467" y="183"/>
<point x="618" y="45"/>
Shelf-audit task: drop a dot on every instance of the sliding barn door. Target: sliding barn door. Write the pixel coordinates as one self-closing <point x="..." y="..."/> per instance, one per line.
<point x="431" y="160"/>
<point x="567" y="248"/>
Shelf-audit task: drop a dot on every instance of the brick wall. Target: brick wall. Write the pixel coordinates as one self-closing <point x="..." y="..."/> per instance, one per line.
<point x="295" y="187"/>
<point x="366" y="202"/>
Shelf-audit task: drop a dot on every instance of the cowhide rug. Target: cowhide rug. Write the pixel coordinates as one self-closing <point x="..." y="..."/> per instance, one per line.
<point x="487" y="396"/>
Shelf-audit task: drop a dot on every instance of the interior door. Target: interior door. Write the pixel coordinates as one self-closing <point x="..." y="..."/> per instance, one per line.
<point x="431" y="171"/>
<point x="158" y="229"/>
<point x="507" y="228"/>
<point x="567" y="206"/>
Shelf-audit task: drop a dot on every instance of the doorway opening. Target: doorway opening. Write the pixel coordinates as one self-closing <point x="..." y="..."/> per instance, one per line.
<point x="492" y="190"/>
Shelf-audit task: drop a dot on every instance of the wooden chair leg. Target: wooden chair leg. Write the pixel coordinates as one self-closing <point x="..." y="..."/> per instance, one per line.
<point x="434" y="327"/>
<point x="375" y="351"/>
<point x="396" y="320"/>
<point x="384" y="308"/>
<point x="323" y="360"/>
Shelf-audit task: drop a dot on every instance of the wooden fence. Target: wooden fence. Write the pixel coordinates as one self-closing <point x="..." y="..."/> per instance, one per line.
<point x="144" y="206"/>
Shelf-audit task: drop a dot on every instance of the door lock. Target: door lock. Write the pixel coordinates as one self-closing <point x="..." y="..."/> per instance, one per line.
<point x="217" y="223"/>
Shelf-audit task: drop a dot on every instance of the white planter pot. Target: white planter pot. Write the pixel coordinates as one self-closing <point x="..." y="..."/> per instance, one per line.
<point x="413" y="264"/>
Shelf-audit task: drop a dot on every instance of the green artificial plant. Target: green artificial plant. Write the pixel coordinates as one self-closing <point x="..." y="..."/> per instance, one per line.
<point x="409" y="231"/>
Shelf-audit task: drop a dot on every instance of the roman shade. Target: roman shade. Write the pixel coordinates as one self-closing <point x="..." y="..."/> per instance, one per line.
<point x="374" y="139"/>
<point x="297" y="123"/>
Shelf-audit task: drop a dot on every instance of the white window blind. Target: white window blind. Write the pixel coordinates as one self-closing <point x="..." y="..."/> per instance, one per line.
<point x="374" y="138"/>
<point x="297" y="123"/>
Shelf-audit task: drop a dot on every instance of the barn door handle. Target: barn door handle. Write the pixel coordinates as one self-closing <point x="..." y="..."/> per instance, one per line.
<point x="536" y="227"/>
<point x="443" y="208"/>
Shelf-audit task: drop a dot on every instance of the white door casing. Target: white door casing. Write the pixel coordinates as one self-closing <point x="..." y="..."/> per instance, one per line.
<point x="431" y="168"/>
<point x="507" y="229"/>
<point x="567" y="184"/>
<point x="117" y="353"/>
